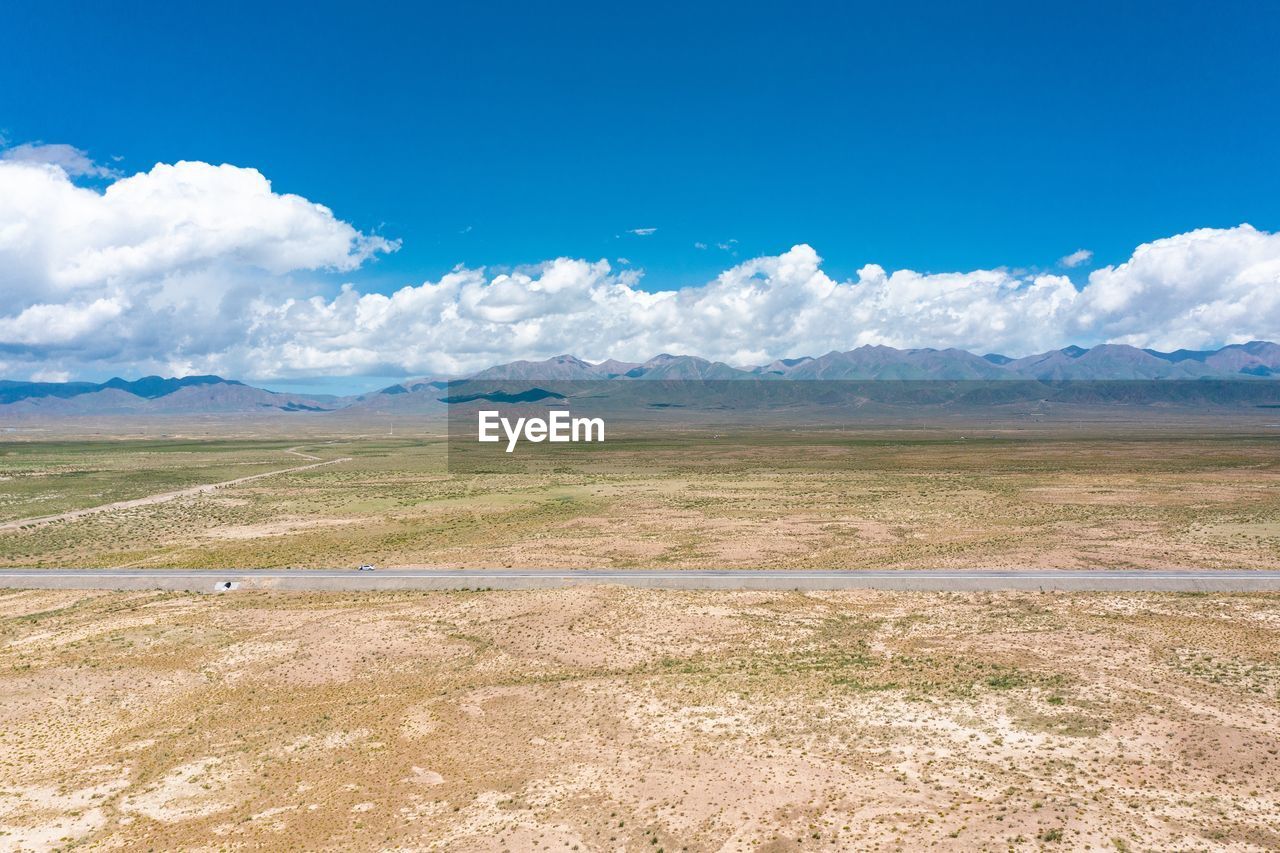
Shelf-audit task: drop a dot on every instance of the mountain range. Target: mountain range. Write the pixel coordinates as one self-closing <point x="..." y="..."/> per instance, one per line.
<point x="212" y="394"/>
<point x="151" y="395"/>
<point x="1257" y="359"/>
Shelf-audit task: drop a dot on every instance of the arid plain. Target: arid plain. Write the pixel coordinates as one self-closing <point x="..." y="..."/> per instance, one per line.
<point x="980" y="497"/>
<point x="616" y="719"/>
<point x="613" y="719"/>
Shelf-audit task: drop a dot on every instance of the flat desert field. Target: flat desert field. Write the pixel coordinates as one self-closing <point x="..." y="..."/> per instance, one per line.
<point x="959" y="498"/>
<point x="622" y="719"/>
<point x="615" y="719"/>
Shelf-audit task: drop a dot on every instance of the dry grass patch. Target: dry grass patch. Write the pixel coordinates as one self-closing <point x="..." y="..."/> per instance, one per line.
<point x="611" y="718"/>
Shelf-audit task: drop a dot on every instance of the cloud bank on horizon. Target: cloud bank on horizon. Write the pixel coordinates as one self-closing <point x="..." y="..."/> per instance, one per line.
<point x="196" y="268"/>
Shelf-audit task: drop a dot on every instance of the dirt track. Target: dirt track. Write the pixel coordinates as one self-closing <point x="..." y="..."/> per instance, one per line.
<point x="150" y="500"/>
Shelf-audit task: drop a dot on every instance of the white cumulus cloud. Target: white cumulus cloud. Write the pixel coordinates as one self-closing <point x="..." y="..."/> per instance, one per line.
<point x="1077" y="258"/>
<point x="778" y="306"/>
<point x="68" y="158"/>
<point x="197" y="268"/>
<point x="156" y="269"/>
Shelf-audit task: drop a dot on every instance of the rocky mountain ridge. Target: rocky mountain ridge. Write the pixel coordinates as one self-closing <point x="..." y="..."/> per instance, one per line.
<point x="1256" y="360"/>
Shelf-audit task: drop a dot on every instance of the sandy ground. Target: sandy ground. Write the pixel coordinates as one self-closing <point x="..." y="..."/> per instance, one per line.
<point x="163" y="497"/>
<point x="615" y="719"/>
<point x="1192" y="501"/>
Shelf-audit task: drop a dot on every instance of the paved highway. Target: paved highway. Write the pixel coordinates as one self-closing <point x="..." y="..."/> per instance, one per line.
<point x="212" y="580"/>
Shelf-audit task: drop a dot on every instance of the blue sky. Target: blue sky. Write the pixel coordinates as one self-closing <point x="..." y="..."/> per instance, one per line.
<point x="935" y="136"/>
<point x="814" y="176"/>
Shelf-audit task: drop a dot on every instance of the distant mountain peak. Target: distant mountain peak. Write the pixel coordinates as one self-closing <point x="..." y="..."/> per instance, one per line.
<point x="152" y="387"/>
